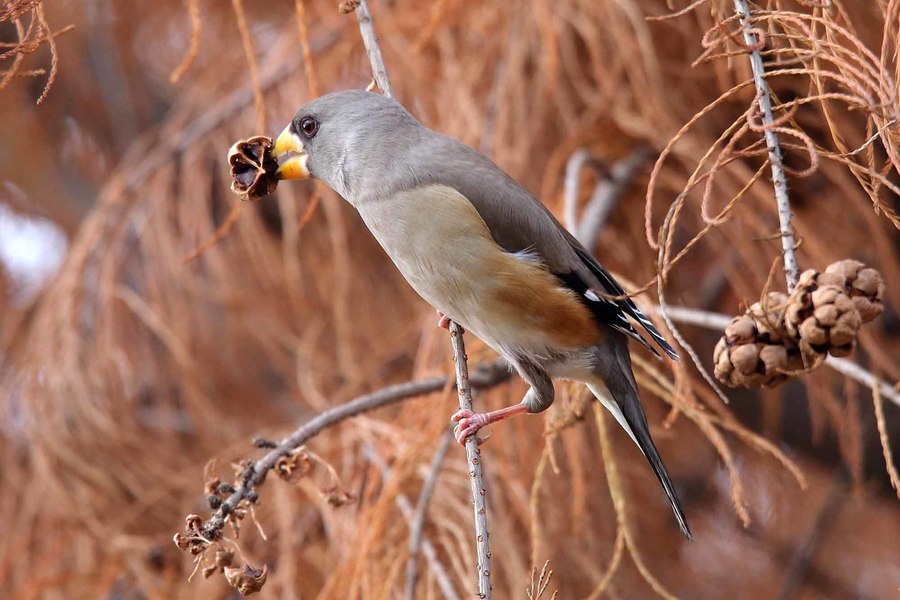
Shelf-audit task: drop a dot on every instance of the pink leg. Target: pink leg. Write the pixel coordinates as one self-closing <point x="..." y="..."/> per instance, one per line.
<point x="443" y="320"/>
<point x="468" y="422"/>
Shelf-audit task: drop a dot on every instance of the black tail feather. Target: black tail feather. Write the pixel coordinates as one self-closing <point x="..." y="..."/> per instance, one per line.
<point x="624" y="394"/>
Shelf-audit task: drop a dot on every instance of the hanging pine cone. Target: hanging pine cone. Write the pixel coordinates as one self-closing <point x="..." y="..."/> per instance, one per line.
<point x="821" y="316"/>
<point x="253" y="168"/>
<point x="755" y="350"/>
<point x="864" y="286"/>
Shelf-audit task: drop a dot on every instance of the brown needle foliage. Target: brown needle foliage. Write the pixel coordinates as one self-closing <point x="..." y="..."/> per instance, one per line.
<point x="132" y="369"/>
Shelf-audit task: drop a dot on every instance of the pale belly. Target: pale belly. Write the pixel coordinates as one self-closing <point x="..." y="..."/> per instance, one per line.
<point x="443" y="249"/>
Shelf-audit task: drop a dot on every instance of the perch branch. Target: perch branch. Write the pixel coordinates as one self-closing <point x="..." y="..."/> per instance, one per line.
<point x="788" y="244"/>
<point x="473" y="457"/>
<point x="418" y="521"/>
<point x="373" y="50"/>
<point x="405" y="506"/>
<point x="486" y="377"/>
<point x="483" y="549"/>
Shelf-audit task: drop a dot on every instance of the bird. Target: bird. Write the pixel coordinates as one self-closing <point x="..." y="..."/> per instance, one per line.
<point x="484" y="252"/>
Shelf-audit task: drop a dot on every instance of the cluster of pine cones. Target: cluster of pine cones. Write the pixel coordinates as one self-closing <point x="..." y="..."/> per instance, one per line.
<point x="782" y="335"/>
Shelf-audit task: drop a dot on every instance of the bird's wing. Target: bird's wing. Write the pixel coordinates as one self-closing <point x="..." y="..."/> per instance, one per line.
<point x="518" y="222"/>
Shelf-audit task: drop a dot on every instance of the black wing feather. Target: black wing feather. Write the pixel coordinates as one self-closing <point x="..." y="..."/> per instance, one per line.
<point x="615" y="313"/>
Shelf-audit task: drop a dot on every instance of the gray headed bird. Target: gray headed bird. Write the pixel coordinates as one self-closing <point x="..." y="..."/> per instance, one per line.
<point x="484" y="252"/>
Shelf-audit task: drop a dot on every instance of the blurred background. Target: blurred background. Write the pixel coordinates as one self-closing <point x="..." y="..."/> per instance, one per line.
<point x="130" y="375"/>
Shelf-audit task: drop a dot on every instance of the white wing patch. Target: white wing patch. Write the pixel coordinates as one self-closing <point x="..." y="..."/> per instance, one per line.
<point x="590" y="295"/>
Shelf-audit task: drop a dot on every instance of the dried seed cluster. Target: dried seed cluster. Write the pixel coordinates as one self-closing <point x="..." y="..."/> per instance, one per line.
<point x="782" y="336"/>
<point x="253" y="168"/>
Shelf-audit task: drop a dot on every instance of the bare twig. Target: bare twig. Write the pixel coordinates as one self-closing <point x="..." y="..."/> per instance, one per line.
<point x="473" y="456"/>
<point x="607" y="193"/>
<point x="572" y="186"/>
<point x="257" y="471"/>
<point x="418" y="521"/>
<point x="428" y="550"/>
<point x="364" y="19"/>
<point x="791" y="269"/>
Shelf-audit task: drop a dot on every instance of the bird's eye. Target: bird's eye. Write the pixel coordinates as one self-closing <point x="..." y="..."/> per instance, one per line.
<point x="309" y="126"/>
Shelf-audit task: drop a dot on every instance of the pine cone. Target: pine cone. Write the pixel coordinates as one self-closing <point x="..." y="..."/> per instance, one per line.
<point x="864" y="286"/>
<point x="253" y="168"/>
<point x="755" y="350"/>
<point x="821" y="316"/>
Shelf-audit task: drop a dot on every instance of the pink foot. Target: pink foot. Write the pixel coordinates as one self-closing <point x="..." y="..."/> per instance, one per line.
<point x="467" y="423"/>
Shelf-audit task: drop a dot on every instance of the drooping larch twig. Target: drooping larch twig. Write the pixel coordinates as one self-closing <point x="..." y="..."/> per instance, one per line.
<point x="473" y="456"/>
<point x="779" y="179"/>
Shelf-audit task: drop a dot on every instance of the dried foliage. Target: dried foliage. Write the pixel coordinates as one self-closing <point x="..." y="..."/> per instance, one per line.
<point x="132" y="369"/>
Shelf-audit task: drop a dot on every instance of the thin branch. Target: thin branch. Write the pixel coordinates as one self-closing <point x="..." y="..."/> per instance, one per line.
<point x="418" y="521"/>
<point x="607" y="194"/>
<point x="373" y="50"/>
<point x="572" y="186"/>
<point x="428" y="550"/>
<point x="710" y="320"/>
<point x="791" y="269"/>
<point x="486" y="377"/>
<point x="473" y="456"/>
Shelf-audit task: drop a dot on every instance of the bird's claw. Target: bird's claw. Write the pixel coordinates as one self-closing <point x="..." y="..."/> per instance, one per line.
<point x="467" y="423"/>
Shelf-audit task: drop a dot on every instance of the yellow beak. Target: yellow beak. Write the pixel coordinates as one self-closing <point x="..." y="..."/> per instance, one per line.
<point x="295" y="166"/>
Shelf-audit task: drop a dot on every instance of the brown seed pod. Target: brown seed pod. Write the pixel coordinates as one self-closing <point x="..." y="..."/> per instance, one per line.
<point x="246" y="579"/>
<point x="755" y="350"/>
<point x="821" y="317"/>
<point x="253" y="168"/>
<point x="864" y="286"/>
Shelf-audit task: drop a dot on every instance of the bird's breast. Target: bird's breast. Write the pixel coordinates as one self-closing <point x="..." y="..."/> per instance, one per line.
<point x="447" y="254"/>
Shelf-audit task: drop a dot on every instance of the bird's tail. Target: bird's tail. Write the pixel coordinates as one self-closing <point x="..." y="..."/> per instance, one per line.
<point x="619" y="396"/>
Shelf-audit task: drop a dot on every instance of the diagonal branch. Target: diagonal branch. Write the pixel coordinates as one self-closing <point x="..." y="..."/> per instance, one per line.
<point x="255" y="473"/>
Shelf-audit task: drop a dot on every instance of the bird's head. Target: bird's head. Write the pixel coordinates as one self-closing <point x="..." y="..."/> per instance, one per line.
<point x="344" y="139"/>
